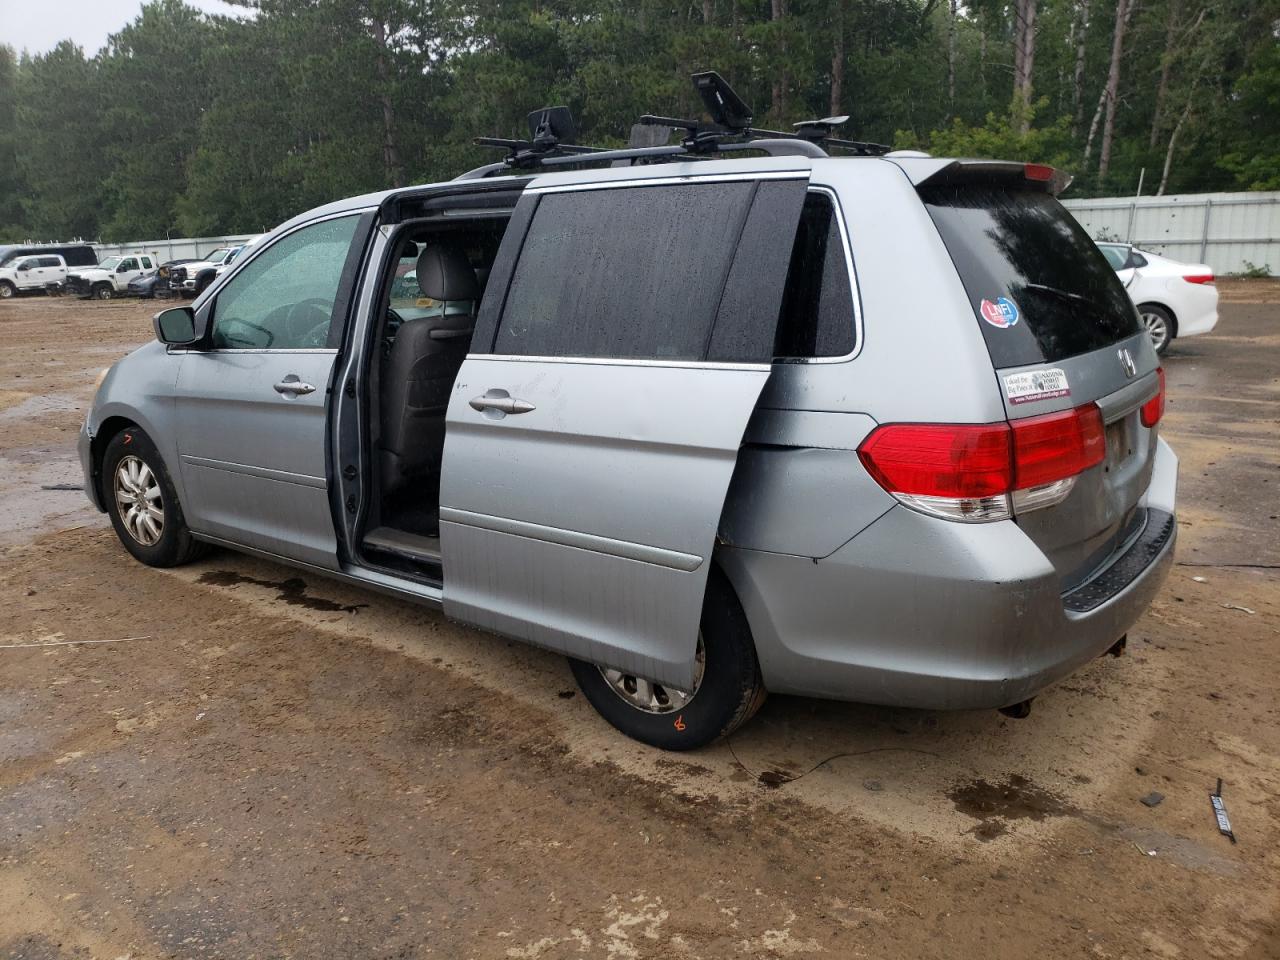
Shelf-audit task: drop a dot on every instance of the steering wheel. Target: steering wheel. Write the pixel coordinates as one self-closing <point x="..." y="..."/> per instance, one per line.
<point x="308" y="322"/>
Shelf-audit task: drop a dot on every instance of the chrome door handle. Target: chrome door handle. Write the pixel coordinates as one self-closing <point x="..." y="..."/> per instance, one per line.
<point x="501" y="404"/>
<point x="294" y="386"/>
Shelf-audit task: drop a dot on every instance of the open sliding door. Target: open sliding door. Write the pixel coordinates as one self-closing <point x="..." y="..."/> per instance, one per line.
<point x="625" y="337"/>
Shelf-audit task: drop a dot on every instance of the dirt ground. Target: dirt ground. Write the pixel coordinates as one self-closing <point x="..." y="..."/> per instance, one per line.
<point x="272" y="768"/>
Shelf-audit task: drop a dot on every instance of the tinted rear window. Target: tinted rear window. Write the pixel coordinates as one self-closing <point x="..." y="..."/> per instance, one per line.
<point x="1041" y="289"/>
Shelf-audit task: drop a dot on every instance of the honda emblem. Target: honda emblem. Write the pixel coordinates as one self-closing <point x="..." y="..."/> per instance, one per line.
<point x="1126" y="361"/>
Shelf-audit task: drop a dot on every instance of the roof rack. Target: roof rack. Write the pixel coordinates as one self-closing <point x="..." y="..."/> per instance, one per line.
<point x="551" y="130"/>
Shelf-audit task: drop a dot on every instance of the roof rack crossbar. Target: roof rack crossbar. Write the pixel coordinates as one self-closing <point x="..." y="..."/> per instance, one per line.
<point x="730" y="129"/>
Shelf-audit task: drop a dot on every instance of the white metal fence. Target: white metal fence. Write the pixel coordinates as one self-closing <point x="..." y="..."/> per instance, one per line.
<point x="165" y="250"/>
<point x="1229" y="231"/>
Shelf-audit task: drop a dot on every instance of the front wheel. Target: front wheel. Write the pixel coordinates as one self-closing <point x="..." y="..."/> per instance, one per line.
<point x="727" y="688"/>
<point x="7" y="290"/>
<point x="1158" y="323"/>
<point x="103" y="291"/>
<point x="143" y="503"/>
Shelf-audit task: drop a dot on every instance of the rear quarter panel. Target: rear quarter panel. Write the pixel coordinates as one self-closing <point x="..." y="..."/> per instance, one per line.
<point x="799" y="487"/>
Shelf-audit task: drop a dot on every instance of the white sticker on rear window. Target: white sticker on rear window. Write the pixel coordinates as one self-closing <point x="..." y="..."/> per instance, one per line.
<point x="1036" y="385"/>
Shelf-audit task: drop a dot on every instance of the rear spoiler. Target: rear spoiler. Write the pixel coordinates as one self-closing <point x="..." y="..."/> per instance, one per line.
<point x="931" y="172"/>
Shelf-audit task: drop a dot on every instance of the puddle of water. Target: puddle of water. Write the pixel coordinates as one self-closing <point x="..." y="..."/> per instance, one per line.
<point x="291" y="591"/>
<point x="994" y="805"/>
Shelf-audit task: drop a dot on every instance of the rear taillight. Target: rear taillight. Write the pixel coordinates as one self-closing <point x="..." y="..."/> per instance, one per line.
<point x="1153" y="409"/>
<point x="1198" y="277"/>
<point x="979" y="472"/>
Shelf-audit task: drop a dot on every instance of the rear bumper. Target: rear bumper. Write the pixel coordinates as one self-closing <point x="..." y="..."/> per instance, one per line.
<point x="921" y="612"/>
<point x="1196" y="305"/>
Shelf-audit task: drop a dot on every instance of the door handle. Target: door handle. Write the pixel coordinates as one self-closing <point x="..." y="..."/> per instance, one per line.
<point x="294" y="386"/>
<point x="501" y="404"/>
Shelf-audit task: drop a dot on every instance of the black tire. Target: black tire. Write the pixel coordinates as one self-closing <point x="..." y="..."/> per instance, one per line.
<point x="174" y="545"/>
<point x="7" y="290"/>
<point x="1170" y="326"/>
<point x="731" y="690"/>
<point x="103" y="291"/>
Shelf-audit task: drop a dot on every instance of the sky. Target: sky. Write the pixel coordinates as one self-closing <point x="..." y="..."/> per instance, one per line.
<point x="38" y="25"/>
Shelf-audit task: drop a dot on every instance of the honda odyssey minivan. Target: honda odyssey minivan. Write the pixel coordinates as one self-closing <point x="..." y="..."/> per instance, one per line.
<point x="879" y="428"/>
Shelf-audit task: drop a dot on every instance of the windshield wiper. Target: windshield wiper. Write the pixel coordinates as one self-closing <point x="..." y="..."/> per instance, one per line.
<point x="1064" y="294"/>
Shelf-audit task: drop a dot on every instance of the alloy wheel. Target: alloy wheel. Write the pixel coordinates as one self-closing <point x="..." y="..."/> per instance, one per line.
<point x="138" y="501"/>
<point x="1157" y="329"/>
<point x="650" y="696"/>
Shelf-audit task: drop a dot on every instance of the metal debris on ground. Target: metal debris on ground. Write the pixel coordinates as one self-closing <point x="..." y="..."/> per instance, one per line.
<point x="1236" y="606"/>
<point x="65" y="643"/>
<point x="1220" y="812"/>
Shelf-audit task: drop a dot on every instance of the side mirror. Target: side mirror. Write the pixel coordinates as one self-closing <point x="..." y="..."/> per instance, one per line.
<point x="121" y="269"/>
<point x="176" y="326"/>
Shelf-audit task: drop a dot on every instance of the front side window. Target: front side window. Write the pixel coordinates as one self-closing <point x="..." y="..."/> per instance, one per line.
<point x="626" y="272"/>
<point x="129" y="264"/>
<point x="284" y="298"/>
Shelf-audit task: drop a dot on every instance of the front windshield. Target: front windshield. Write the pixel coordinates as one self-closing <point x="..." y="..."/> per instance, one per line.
<point x="217" y="255"/>
<point x="110" y="263"/>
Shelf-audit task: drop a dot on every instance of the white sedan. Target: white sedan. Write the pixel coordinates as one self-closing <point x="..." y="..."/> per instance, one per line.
<point x="1174" y="299"/>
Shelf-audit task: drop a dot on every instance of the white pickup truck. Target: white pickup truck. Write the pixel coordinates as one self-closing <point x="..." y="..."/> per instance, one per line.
<point x="31" y="273"/>
<point x="111" y="277"/>
<point x="190" y="279"/>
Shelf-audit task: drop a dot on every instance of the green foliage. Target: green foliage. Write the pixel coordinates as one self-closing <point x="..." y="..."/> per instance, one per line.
<point x="186" y="123"/>
<point x="1011" y="135"/>
<point x="1254" y="271"/>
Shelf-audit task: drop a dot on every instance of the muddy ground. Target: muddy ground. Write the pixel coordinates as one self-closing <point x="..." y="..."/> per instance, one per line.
<point x="278" y="767"/>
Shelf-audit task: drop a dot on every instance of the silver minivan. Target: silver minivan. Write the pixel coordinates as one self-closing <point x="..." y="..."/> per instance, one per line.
<point x="874" y="428"/>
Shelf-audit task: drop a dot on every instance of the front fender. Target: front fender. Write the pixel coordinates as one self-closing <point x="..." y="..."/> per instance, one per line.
<point x="140" y="389"/>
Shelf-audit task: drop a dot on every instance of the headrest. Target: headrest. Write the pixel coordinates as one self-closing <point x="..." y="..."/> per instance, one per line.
<point x="445" y="274"/>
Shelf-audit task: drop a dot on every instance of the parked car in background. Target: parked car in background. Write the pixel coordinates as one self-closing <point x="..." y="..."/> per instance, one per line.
<point x="1174" y="299"/>
<point x="148" y="287"/>
<point x="191" y="278"/>
<point x="111" y="277"/>
<point x="672" y="452"/>
<point x="73" y="254"/>
<point x="31" y="273"/>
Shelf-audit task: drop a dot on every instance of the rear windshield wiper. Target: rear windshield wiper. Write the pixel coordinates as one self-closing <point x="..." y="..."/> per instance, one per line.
<point x="1064" y="294"/>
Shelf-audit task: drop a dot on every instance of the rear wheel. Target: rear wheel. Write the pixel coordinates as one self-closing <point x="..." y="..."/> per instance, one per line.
<point x="726" y="691"/>
<point x="1158" y="322"/>
<point x="143" y="504"/>
<point x="103" y="291"/>
<point x="7" y="290"/>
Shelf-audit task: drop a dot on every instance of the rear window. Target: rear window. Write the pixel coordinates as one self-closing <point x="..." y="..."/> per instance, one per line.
<point x="1040" y="287"/>
<point x="817" y="309"/>
<point x="1116" y="256"/>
